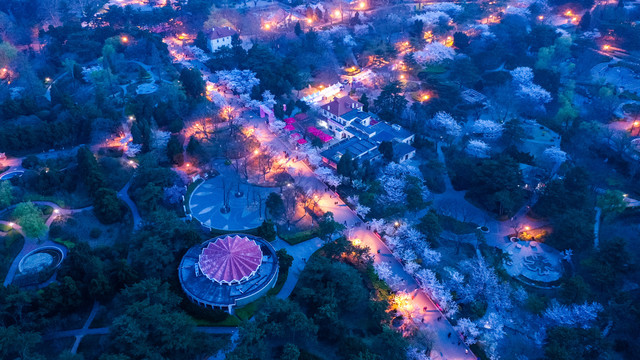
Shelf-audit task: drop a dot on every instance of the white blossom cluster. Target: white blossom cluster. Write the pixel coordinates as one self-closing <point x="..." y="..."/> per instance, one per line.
<point x="434" y="53"/>
<point x="526" y="89"/>
<point x="238" y="81"/>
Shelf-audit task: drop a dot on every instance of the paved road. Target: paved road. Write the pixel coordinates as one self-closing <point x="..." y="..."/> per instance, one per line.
<point x="328" y="201"/>
<point x="301" y="253"/>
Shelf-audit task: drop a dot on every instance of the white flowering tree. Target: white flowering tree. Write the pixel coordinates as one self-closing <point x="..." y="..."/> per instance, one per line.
<point x="434" y="53"/>
<point x="238" y="81"/>
<point x="531" y="94"/>
<point x="572" y="316"/>
<point x="553" y="157"/>
<point x="133" y="150"/>
<point x="160" y="139"/>
<point x="469" y="330"/>
<point x="478" y="149"/>
<point x="276" y="125"/>
<point x="487" y="128"/>
<point x="432" y="18"/>
<point x="445" y="124"/>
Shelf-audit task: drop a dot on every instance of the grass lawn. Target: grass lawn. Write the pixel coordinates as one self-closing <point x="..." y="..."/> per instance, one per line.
<point x="190" y="190"/>
<point x="86" y="227"/>
<point x="457" y="227"/>
<point x="298" y="237"/>
<point x="10" y="247"/>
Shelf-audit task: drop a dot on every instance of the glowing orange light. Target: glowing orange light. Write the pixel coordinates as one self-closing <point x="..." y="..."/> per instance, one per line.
<point x="540" y="17"/>
<point x="527" y="228"/>
<point x="606" y="47"/>
<point x="321" y="86"/>
<point x="425" y="97"/>
<point x="401" y="76"/>
<point x="636" y="123"/>
<point x="575" y="19"/>
<point x="568" y="13"/>
<point x="337" y="12"/>
<point x="309" y="21"/>
<point x="362" y="5"/>
<point x="188" y="164"/>
<point x="356" y="241"/>
<point x="256" y="152"/>
<point x="267" y="26"/>
<point x="124" y="39"/>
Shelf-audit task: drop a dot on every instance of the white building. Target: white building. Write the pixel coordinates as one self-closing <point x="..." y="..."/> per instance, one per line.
<point x="220" y="37"/>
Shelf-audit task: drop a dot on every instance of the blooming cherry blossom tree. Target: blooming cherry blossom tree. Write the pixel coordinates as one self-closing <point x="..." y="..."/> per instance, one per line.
<point x="445" y="123"/>
<point x="238" y="81"/>
<point x="572" y="316"/>
<point x="434" y="53"/>
<point x="478" y="148"/>
<point x="488" y="128"/>
<point x="469" y="330"/>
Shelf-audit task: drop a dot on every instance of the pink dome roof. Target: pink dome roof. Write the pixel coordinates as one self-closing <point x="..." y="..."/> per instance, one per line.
<point x="230" y="260"/>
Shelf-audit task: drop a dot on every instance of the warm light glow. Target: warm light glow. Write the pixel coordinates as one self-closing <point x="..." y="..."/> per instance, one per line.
<point x="56" y="211"/>
<point x="124" y="39"/>
<point x="4" y="70"/>
<point x="256" y="152"/>
<point x="47" y="79"/>
<point x="625" y="195"/>
<point x="337" y="12"/>
<point x="11" y="224"/>
<point x="568" y="13"/>
<point x="131" y="117"/>
<point x="575" y="19"/>
<point x="315" y="197"/>
<point x="636" y="123"/>
<point x="540" y="17"/>
<point x="527" y="228"/>
<point x="267" y="26"/>
<point x="606" y="47"/>
<point x="396" y="224"/>
<point x="425" y="97"/>
<point x="356" y="242"/>
<point x="362" y="5"/>
<point x="309" y="21"/>
<point x="321" y="86"/>
<point x="130" y="162"/>
<point x="401" y="76"/>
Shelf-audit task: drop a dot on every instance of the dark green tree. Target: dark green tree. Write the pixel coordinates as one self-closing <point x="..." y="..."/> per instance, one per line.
<point x="175" y="151"/>
<point x="107" y="207"/>
<point x="386" y="149"/>
<point x="192" y="83"/>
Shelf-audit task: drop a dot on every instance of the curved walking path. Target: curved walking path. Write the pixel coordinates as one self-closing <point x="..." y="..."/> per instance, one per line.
<point x="301" y="253"/>
<point x="31" y="244"/>
<point x="123" y="194"/>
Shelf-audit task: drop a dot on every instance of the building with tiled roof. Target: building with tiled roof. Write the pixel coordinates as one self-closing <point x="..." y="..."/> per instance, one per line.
<point x="361" y="133"/>
<point x="219" y="37"/>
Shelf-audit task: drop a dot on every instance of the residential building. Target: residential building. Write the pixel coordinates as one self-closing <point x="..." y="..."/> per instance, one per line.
<point x="362" y="132"/>
<point x="220" y="36"/>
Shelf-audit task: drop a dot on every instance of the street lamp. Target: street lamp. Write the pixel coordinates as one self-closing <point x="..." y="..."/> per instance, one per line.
<point x="11" y="224"/>
<point x="124" y="39"/>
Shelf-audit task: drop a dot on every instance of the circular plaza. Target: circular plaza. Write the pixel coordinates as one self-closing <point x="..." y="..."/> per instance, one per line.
<point x="228" y="271"/>
<point x="228" y="206"/>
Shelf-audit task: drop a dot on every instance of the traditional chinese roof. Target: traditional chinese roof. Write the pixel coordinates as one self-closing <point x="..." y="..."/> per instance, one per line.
<point x="230" y="260"/>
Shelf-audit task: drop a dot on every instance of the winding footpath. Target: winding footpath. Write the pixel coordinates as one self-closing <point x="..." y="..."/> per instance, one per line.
<point x="31" y="244"/>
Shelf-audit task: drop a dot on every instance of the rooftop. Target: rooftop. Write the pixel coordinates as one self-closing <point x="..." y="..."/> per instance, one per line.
<point x="230" y="260"/>
<point x="222" y="32"/>
<point x="341" y="106"/>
